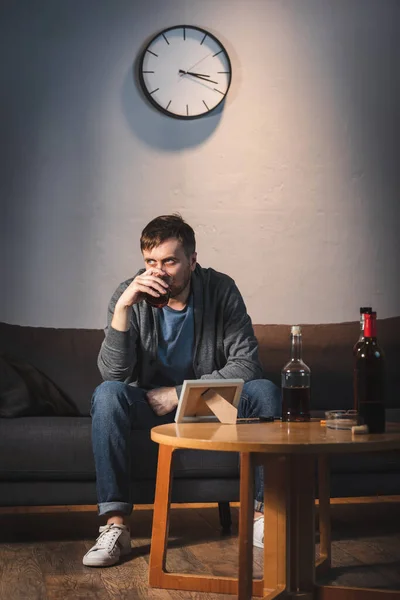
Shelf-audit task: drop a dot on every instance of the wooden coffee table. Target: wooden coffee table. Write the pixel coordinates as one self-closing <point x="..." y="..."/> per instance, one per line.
<point x="289" y="453"/>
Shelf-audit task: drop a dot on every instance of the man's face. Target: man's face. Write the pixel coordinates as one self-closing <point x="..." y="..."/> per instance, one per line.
<point x="170" y="257"/>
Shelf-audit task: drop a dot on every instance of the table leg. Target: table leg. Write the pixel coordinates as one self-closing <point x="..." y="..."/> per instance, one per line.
<point x="159" y="577"/>
<point x="159" y="537"/>
<point x="324" y="494"/>
<point x="246" y="525"/>
<point x="302" y="524"/>
<point x="275" y="524"/>
<point x="289" y="539"/>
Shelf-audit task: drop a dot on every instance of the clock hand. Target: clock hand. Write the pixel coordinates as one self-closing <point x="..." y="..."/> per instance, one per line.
<point x="196" y="74"/>
<point x="199" y="61"/>
<point x="203" y="77"/>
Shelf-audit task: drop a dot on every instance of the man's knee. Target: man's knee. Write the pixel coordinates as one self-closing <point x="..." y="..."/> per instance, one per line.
<point x="264" y="395"/>
<point x="108" y="396"/>
<point x="261" y="388"/>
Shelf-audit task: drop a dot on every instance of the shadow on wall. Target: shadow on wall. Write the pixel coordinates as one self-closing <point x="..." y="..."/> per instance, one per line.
<point x="158" y="130"/>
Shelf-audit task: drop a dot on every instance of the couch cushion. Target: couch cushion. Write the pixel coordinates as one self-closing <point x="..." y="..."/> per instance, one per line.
<point x="46" y="448"/>
<point x="368" y="462"/>
<point x="59" y="448"/>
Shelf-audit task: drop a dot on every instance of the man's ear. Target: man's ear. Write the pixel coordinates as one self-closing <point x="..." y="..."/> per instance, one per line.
<point x="193" y="261"/>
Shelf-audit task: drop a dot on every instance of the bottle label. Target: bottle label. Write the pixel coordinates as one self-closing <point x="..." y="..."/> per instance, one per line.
<point x="369" y="382"/>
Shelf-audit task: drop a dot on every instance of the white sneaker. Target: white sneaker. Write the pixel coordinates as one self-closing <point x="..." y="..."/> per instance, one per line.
<point x="113" y="542"/>
<point x="258" y="532"/>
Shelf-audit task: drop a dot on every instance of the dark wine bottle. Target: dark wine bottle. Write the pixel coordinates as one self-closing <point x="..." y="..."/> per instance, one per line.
<point x="369" y="378"/>
<point x="363" y="311"/>
<point x="296" y="382"/>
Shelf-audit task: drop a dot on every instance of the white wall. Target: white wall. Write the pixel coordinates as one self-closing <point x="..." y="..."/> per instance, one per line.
<point x="292" y="189"/>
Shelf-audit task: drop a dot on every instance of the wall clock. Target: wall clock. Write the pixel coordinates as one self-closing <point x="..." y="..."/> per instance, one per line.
<point x="185" y="72"/>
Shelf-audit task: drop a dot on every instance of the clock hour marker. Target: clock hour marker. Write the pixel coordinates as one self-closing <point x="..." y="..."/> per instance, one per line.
<point x="216" y="54"/>
<point x="165" y="39"/>
<point x="147" y="71"/>
<point x="153" y="53"/>
<point x="219" y="91"/>
<point x="156" y="90"/>
<point x="201" y="43"/>
<point x="205" y="105"/>
<point x="218" y="72"/>
<point x="166" y="108"/>
<point x="187" y="110"/>
<point x="184" y="33"/>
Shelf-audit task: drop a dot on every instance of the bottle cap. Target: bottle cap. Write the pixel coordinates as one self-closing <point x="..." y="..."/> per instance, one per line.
<point x="365" y="309"/>
<point x="296" y="330"/>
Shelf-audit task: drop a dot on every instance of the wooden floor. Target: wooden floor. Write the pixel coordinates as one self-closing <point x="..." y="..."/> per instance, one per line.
<point x="41" y="552"/>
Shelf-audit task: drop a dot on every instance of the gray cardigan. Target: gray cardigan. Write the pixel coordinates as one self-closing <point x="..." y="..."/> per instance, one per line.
<point x="225" y="344"/>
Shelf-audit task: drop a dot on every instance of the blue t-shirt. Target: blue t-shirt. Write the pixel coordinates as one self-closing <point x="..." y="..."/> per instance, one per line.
<point x="175" y="345"/>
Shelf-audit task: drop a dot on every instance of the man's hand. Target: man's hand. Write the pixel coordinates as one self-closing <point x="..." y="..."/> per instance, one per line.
<point x="163" y="400"/>
<point x="148" y="282"/>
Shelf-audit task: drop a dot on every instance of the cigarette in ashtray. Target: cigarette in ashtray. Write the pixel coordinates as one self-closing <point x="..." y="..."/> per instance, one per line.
<point x="359" y="429"/>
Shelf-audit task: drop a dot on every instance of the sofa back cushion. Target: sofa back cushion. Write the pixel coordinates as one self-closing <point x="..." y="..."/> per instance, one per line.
<point x="69" y="358"/>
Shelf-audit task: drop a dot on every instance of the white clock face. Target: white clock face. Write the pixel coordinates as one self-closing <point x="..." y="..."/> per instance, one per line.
<point x="185" y="72"/>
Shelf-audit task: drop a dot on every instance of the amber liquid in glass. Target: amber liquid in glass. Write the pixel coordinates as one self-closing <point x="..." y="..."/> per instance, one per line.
<point x="296" y="404"/>
<point x="160" y="301"/>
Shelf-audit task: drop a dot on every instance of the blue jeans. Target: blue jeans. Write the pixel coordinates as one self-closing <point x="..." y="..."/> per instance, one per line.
<point x="119" y="409"/>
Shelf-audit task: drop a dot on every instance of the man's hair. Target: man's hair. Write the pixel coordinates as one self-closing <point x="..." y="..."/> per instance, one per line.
<point x="165" y="227"/>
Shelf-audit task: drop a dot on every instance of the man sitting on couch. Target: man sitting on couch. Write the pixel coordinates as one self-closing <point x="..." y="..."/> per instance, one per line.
<point x="204" y="332"/>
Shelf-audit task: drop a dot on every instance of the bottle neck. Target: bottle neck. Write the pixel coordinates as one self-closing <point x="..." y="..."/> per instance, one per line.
<point x="367" y="311"/>
<point x="296" y="347"/>
<point x="370" y="326"/>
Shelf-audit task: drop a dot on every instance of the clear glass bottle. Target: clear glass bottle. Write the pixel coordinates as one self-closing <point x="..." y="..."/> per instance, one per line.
<point x="296" y="382"/>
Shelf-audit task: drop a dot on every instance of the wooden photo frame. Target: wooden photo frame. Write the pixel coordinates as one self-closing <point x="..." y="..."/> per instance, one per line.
<point x="207" y="400"/>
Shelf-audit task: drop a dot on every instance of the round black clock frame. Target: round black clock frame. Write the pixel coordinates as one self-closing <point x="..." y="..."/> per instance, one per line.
<point x="147" y="93"/>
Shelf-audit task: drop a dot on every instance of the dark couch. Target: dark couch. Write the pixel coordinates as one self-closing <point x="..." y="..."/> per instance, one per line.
<point x="47" y="460"/>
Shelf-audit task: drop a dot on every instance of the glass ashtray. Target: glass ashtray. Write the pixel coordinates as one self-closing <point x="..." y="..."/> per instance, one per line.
<point x="341" y="419"/>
